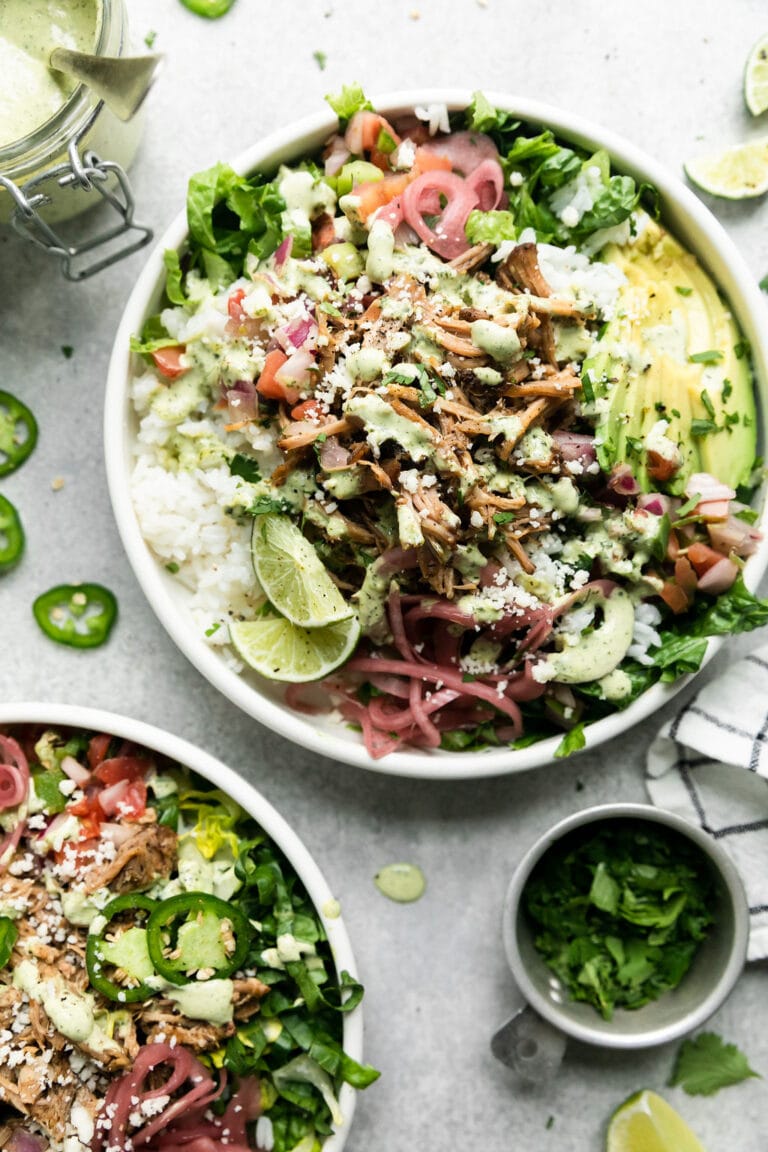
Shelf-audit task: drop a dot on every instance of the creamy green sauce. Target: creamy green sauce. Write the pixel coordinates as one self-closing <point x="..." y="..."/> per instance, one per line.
<point x="401" y="882"/>
<point x="31" y="92"/>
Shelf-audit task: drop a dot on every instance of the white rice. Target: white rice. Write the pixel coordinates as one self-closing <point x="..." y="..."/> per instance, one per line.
<point x="183" y="516"/>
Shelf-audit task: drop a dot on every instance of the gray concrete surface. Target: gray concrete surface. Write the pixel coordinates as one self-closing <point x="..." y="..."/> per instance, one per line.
<point x="668" y="76"/>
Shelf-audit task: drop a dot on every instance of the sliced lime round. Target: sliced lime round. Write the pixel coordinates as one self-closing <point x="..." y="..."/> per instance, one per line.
<point x="756" y="78"/>
<point x="293" y="576"/>
<point x="281" y="650"/>
<point x="737" y="173"/>
<point x="646" y="1123"/>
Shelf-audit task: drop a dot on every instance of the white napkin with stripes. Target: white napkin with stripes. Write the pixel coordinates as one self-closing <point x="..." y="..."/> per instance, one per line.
<point x="710" y="765"/>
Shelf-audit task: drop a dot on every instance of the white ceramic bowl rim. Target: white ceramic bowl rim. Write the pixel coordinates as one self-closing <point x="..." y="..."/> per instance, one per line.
<point x="720" y="862"/>
<point x="252" y="802"/>
<point x="681" y="209"/>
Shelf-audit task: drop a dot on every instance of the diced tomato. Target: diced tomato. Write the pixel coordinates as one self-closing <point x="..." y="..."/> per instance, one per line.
<point x="659" y="468"/>
<point x="87" y="806"/>
<point x="364" y="130"/>
<point x="133" y="802"/>
<point x="673" y="546"/>
<point x="97" y="749"/>
<point x="234" y="304"/>
<point x="89" y="813"/>
<point x="307" y="410"/>
<point x="121" y="768"/>
<point x="323" y="232"/>
<point x="685" y="576"/>
<point x="266" y="385"/>
<point x="168" y="361"/>
<point x="377" y="193"/>
<point x="73" y="851"/>
<point x="674" y="596"/>
<point x="426" y="161"/>
<point x="702" y="557"/>
<point x="713" y="509"/>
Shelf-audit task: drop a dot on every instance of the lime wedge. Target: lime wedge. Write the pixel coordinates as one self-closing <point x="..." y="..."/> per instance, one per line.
<point x="646" y="1123"/>
<point x="293" y="576"/>
<point x="737" y="173"/>
<point x="280" y="650"/>
<point x="756" y="78"/>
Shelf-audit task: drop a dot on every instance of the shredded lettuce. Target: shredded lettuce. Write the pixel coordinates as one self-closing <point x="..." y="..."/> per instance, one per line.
<point x="490" y="227"/>
<point x="216" y="816"/>
<point x="351" y="99"/>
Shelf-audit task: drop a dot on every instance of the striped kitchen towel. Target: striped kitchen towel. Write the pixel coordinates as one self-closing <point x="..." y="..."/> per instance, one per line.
<point x="710" y="765"/>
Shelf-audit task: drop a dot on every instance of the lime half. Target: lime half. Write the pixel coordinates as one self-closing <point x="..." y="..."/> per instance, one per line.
<point x="646" y="1123"/>
<point x="756" y="78"/>
<point x="281" y="650"/>
<point x="293" y="576"/>
<point x="736" y="173"/>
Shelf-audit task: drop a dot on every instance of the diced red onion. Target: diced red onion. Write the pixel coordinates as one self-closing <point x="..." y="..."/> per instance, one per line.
<point x="117" y="834"/>
<point x="654" y="502"/>
<point x="296" y="334"/>
<point x="282" y="252"/>
<point x="734" y="535"/>
<point x="337" y="157"/>
<point x="333" y="454"/>
<point x="719" y="577"/>
<point x="75" y="770"/>
<point x="575" y="446"/>
<point x="622" y="481"/>
<point x="242" y="401"/>
<point x="109" y="798"/>
<point x="296" y="368"/>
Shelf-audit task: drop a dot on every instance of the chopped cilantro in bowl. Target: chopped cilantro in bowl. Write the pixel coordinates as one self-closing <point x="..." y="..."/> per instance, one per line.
<point x="625" y="926"/>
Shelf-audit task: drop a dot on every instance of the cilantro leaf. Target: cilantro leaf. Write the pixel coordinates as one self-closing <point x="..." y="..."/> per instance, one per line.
<point x="706" y="1064"/>
<point x="573" y="741"/>
<point x="618" y="913"/>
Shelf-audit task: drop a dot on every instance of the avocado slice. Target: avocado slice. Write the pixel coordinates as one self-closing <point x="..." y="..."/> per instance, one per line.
<point x="671" y="352"/>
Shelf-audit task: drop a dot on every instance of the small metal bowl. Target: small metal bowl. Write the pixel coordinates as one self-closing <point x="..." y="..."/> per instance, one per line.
<point x="712" y="975"/>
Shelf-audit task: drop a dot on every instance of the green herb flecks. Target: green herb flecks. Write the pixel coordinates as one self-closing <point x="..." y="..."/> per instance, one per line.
<point x="706" y="1064"/>
<point x="619" y="913"/>
<point x="320" y="59"/>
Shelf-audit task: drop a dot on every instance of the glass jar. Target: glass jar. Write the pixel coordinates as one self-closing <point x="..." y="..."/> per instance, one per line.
<point x="73" y="161"/>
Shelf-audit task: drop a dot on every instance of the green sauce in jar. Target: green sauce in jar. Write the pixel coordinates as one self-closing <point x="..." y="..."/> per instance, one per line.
<point x="31" y="92"/>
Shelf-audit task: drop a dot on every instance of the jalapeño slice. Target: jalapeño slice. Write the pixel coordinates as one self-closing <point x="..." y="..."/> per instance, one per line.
<point x="196" y="936"/>
<point x="126" y="950"/>
<point x="80" y="615"/>
<point x="11" y="536"/>
<point x="18" y="433"/>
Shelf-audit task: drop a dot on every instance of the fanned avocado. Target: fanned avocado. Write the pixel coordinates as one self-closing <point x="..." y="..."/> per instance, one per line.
<point x="671" y="352"/>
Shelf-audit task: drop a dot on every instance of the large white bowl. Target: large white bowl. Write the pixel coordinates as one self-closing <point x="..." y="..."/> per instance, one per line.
<point x="686" y="217"/>
<point x="251" y="800"/>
